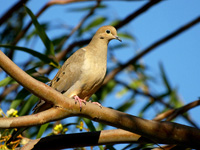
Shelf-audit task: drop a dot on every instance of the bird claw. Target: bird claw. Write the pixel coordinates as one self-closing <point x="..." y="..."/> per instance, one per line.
<point x="96" y="103"/>
<point x="77" y="99"/>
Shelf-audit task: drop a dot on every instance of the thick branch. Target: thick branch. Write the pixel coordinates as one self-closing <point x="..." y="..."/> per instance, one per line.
<point x="84" y="139"/>
<point x="170" y="133"/>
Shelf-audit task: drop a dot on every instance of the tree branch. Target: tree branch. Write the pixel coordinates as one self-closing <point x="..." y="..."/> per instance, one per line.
<point x="105" y="137"/>
<point x="7" y="90"/>
<point x="137" y="13"/>
<point x="173" y="113"/>
<point x="112" y="74"/>
<point x="63" y="53"/>
<point x="171" y="133"/>
<point x="119" y="25"/>
<point x="11" y="10"/>
<point x="158" y="99"/>
<point x="53" y="2"/>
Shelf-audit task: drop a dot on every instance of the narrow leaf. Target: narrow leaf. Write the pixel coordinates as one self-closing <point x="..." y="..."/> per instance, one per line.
<point x="164" y="78"/>
<point x="27" y="107"/>
<point x="41" y="32"/>
<point x="42" y="130"/>
<point x="122" y="92"/>
<point x="145" y="108"/>
<point x="126" y="35"/>
<point x="6" y="81"/>
<point x="119" y="46"/>
<point x="19" y="98"/>
<point x="42" y="57"/>
<point x="85" y="8"/>
<point x="89" y="124"/>
<point x="124" y="107"/>
<point x="115" y="22"/>
<point x="94" y="23"/>
<point x="102" y="93"/>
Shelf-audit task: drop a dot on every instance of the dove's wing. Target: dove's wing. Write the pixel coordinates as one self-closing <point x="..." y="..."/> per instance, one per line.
<point x="67" y="75"/>
<point x="70" y="72"/>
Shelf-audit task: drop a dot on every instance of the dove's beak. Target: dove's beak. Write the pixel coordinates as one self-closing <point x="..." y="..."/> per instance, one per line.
<point x="116" y="37"/>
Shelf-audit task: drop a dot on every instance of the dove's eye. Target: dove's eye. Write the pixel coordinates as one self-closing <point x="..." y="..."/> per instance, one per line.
<point x="108" y="31"/>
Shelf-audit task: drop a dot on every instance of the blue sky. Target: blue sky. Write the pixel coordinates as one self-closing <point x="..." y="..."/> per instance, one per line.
<point x="179" y="56"/>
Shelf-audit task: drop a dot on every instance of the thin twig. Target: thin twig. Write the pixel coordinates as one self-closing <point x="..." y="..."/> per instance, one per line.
<point x="9" y="13"/>
<point x="183" y="109"/>
<point x="113" y="73"/>
<point x="91" y="12"/>
<point x="165" y="114"/>
<point x="8" y="90"/>
<point x="137" y="13"/>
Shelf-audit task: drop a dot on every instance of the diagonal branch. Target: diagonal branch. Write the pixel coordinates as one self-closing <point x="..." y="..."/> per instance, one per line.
<point x="11" y="11"/>
<point x="112" y="74"/>
<point x="173" y="113"/>
<point x="119" y="25"/>
<point x="170" y="133"/>
<point x="137" y="13"/>
<point x="53" y="2"/>
<point x="91" y="12"/>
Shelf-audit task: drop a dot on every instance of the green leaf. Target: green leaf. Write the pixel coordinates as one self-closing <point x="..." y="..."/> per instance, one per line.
<point x="85" y="8"/>
<point x="110" y="147"/>
<point x="42" y="130"/>
<point x="101" y="147"/>
<point x="58" y="42"/>
<point x="42" y="57"/>
<point x="94" y="23"/>
<point x="126" y="36"/>
<point x="42" y="79"/>
<point x="28" y="105"/>
<point x="6" y="81"/>
<point x="124" y="107"/>
<point x="134" y="85"/>
<point x="89" y="124"/>
<point x="164" y="78"/>
<point x="145" y="108"/>
<point x="174" y="99"/>
<point x="19" y="98"/>
<point x="122" y="92"/>
<point x="119" y="46"/>
<point x="34" y="32"/>
<point x="115" y="22"/>
<point x="137" y="84"/>
<point x="41" y="32"/>
<point x="106" y="90"/>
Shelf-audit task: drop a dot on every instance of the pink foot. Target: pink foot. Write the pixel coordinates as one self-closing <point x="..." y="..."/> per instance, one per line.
<point x="77" y="99"/>
<point x="97" y="104"/>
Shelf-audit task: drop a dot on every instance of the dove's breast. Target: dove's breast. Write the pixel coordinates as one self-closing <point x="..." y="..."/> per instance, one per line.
<point x="93" y="73"/>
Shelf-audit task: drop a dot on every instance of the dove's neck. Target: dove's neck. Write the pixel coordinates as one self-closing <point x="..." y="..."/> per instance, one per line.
<point x="98" y="49"/>
<point x="98" y="45"/>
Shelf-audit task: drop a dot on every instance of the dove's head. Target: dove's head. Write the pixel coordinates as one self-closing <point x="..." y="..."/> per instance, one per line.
<point x="107" y="33"/>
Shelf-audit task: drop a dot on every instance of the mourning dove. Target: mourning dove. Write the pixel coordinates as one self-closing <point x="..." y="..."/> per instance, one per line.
<point x="83" y="72"/>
